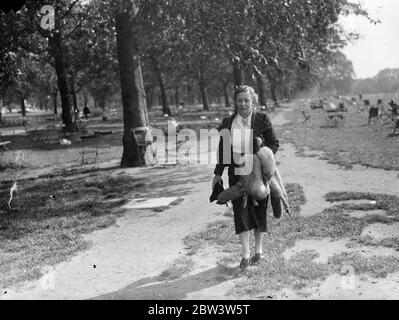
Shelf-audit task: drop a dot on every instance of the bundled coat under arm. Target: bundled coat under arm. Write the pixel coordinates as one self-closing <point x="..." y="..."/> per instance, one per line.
<point x="262" y="127"/>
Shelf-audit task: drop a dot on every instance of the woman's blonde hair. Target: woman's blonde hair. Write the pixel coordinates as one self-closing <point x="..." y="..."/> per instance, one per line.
<point x="245" y="88"/>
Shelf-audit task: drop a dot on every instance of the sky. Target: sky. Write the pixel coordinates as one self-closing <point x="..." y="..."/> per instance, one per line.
<point x="378" y="47"/>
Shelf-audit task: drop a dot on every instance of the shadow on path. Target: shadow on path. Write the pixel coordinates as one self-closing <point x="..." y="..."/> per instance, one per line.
<point x="153" y="289"/>
<point x="171" y="183"/>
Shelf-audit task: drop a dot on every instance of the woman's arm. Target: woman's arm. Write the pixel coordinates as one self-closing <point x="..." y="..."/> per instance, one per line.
<point x="269" y="136"/>
<point x="221" y="161"/>
<point x="219" y="168"/>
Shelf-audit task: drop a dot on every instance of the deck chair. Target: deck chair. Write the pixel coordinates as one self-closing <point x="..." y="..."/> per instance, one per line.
<point x="92" y="152"/>
<point x="394" y="112"/>
<point x="373" y="114"/>
<point x="44" y="137"/>
<point x="396" y="126"/>
<point x="52" y="135"/>
<point x="362" y="107"/>
<point x="38" y="137"/>
<point x="306" y="116"/>
<point x="3" y="146"/>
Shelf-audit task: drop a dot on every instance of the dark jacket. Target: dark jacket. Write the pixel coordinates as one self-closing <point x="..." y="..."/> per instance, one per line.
<point x="262" y="127"/>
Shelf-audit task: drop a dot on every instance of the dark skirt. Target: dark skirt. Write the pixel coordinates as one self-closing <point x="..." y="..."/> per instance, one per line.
<point x="251" y="217"/>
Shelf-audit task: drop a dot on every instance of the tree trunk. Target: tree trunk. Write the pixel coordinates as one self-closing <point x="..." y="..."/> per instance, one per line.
<point x="73" y="92"/>
<point x="46" y="103"/>
<point x="85" y="99"/>
<point x="164" y="96"/>
<point x="286" y="93"/>
<point x="177" y="100"/>
<point x="280" y="92"/>
<point x="261" y="89"/>
<point x="190" y="94"/>
<point x="273" y="89"/>
<point x="1" y="107"/>
<point x="202" y="86"/>
<point x="204" y="98"/>
<point x="23" y="108"/>
<point x="159" y="99"/>
<point x="149" y="94"/>
<point x="226" y="95"/>
<point x="133" y="94"/>
<point x="238" y="73"/>
<point x="101" y="103"/>
<point x="63" y="85"/>
<point x="40" y="103"/>
<point x="55" y="94"/>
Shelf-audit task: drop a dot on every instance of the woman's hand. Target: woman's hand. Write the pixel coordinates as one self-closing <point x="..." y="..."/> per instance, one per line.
<point x="216" y="179"/>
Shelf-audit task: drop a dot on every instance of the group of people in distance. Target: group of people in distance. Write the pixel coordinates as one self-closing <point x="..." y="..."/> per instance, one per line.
<point x="86" y="112"/>
<point x="379" y="110"/>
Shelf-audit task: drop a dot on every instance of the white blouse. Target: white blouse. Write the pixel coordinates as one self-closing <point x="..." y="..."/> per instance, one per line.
<point x="241" y="134"/>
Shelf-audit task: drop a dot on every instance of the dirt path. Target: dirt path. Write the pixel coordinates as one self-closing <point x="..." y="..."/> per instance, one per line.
<point x="141" y="245"/>
<point x="126" y="259"/>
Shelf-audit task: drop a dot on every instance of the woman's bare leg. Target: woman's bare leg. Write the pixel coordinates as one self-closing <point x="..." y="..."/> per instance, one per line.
<point x="259" y="241"/>
<point x="244" y="239"/>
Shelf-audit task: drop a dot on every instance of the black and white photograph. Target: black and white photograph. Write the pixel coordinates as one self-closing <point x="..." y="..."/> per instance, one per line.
<point x="224" y="153"/>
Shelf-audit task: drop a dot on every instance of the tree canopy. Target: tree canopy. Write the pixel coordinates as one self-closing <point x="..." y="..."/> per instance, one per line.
<point x="199" y="48"/>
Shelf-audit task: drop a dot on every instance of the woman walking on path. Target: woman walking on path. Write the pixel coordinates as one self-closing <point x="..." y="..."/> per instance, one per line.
<point x="249" y="217"/>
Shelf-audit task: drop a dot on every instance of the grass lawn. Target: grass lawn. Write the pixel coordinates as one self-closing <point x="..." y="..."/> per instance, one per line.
<point x="301" y="272"/>
<point x="351" y="142"/>
<point x="49" y="216"/>
<point x="177" y="269"/>
<point x="35" y="156"/>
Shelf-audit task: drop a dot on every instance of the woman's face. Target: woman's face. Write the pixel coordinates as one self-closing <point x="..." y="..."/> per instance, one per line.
<point x="244" y="104"/>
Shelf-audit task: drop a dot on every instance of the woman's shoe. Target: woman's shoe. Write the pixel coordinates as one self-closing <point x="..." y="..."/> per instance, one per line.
<point x="256" y="258"/>
<point x="244" y="263"/>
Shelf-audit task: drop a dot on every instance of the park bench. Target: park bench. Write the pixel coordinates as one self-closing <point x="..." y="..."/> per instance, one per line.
<point x="342" y="108"/>
<point x="112" y="114"/>
<point x="12" y="121"/>
<point x="44" y="136"/>
<point x="317" y="104"/>
<point x="333" y="115"/>
<point x="3" y="146"/>
<point x="96" y="149"/>
<point x="333" y="112"/>
<point x="373" y="114"/>
<point x="29" y="125"/>
<point x="82" y="125"/>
